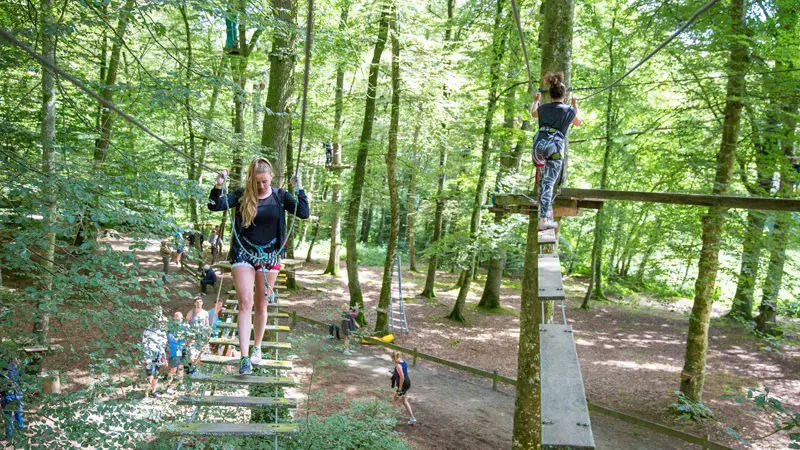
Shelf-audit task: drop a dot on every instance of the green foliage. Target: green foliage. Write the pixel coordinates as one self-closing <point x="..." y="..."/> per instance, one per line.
<point x="367" y="424"/>
<point x="686" y="408"/>
<point x="784" y="420"/>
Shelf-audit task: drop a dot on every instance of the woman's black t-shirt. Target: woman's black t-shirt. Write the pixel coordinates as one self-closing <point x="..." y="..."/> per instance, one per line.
<point x="268" y="225"/>
<point x="556" y="115"/>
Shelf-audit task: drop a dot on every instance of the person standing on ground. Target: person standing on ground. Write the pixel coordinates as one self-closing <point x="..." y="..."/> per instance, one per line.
<point x="11" y="397"/>
<point x="180" y="246"/>
<point x="176" y="343"/>
<point x="549" y="144"/>
<point x="209" y="277"/>
<point x="212" y="241"/>
<point x="402" y="384"/>
<point x="257" y="239"/>
<point x="165" y="253"/>
<point x="154" y="343"/>
<point x="348" y="326"/>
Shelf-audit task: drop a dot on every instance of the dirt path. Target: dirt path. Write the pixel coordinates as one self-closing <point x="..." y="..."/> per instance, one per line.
<point x="458" y="411"/>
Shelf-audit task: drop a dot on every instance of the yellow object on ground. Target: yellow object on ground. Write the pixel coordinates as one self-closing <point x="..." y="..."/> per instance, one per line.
<point x="389" y="338"/>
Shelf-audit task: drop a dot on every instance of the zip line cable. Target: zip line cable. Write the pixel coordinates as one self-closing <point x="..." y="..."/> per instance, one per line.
<point x="522" y="43"/>
<point x="680" y="30"/>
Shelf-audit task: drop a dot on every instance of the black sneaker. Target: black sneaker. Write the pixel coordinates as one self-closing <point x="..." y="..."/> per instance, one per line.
<point x="245" y="367"/>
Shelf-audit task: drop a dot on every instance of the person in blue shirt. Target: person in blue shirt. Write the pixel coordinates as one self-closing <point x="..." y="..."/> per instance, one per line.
<point x="402" y="384"/>
<point x="11" y="397"/>
<point x="176" y="351"/>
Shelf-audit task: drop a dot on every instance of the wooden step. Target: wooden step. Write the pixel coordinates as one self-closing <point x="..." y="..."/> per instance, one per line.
<point x="249" y="380"/>
<point x="565" y="414"/>
<point x="264" y="345"/>
<point x="227" y="429"/>
<point x="550" y="285"/>
<point x="547" y="237"/>
<point x="235" y="302"/>
<point x="233" y="361"/>
<point x="282" y="328"/>
<point x="272" y="315"/>
<point x="240" y="402"/>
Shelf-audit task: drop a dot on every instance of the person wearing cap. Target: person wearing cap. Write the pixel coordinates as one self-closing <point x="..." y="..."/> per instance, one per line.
<point x="209" y="277"/>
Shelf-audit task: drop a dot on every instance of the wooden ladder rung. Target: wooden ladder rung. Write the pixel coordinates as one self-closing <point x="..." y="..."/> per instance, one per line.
<point x="227" y="429"/>
<point x="233" y="361"/>
<point x="239" y="402"/>
<point x="248" y="380"/>
<point x="264" y="345"/>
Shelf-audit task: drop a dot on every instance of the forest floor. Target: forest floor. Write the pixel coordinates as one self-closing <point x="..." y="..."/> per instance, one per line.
<point x="631" y="353"/>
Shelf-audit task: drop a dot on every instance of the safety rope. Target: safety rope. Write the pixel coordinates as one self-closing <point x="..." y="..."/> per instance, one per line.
<point x="680" y="30"/>
<point x="522" y="43"/>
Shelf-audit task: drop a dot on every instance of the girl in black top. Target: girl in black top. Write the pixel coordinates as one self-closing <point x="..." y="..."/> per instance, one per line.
<point x="548" y="145"/>
<point x="256" y="245"/>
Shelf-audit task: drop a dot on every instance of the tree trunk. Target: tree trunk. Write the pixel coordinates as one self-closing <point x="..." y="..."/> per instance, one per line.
<point x="490" y="298"/>
<point x="336" y="196"/>
<point x="314" y="235"/>
<point x="87" y="228"/>
<point x="382" y="320"/>
<point x="751" y="254"/>
<point x="41" y="323"/>
<point x="527" y="409"/>
<point x="412" y="202"/>
<point x="275" y="132"/>
<point x="498" y="48"/>
<point x="595" y="289"/>
<point x="354" y="286"/>
<point x="693" y="374"/>
<point x="556" y="48"/>
<point x="430" y="278"/>
<point x="192" y="167"/>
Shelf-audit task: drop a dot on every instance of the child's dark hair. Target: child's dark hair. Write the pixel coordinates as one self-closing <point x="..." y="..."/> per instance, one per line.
<point x="555" y="83"/>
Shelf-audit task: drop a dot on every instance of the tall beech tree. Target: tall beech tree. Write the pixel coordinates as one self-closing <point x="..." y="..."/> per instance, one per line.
<point x="498" y="48"/>
<point x="381" y="322"/>
<point x="277" y="120"/>
<point x="336" y="188"/>
<point x="556" y="47"/>
<point x="438" y="217"/>
<point x="351" y="222"/>
<point x="693" y="374"/>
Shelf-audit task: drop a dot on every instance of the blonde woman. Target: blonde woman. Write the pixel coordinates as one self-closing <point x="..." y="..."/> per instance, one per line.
<point x="402" y="384"/>
<point x="259" y="231"/>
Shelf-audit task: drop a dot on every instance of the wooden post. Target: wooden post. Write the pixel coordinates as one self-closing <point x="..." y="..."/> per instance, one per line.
<point x="414" y="360"/>
<point x="494" y="380"/>
<point x="294" y="318"/>
<point x="52" y="382"/>
<point x="705" y="442"/>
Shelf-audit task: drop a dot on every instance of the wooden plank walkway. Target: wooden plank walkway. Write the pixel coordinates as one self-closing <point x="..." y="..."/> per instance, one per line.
<point x="235" y="302"/>
<point x="234" y="325"/>
<point x="565" y="414"/>
<point x="248" y="380"/>
<point x="234" y="401"/>
<point x="264" y="344"/>
<point x="232" y="361"/>
<point x="272" y="315"/>
<point x="551" y="287"/>
<point x="228" y="429"/>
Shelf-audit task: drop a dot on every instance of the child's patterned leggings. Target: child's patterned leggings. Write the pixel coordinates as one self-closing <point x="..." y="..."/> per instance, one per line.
<point x="548" y="176"/>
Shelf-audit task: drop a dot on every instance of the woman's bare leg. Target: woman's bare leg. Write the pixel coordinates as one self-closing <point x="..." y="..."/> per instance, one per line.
<point x="408" y="406"/>
<point x="243" y="280"/>
<point x="261" y="308"/>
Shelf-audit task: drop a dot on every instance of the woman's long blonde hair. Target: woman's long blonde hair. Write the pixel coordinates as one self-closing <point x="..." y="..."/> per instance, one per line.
<point x="248" y="206"/>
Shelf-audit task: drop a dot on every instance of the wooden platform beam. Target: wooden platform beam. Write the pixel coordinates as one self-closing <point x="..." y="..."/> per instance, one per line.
<point x="248" y="380"/>
<point x="227" y="429"/>
<point x="264" y="345"/>
<point x="233" y="361"/>
<point x="725" y="201"/>
<point x="237" y="402"/>
<point x="281" y="328"/>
